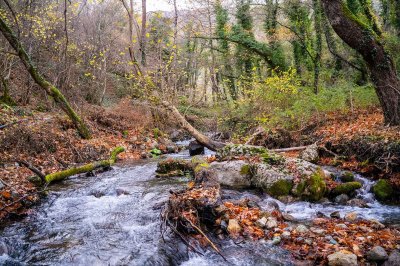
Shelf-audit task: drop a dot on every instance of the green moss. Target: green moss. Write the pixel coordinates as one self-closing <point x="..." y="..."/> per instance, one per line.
<point x="347" y="177"/>
<point x="383" y="190"/>
<point x="200" y="167"/>
<point x="171" y="165"/>
<point x="245" y="170"/>
<point x="315" y="187"/>
<point x="156" y="152"/>
<point x="7" y="100"/>
<point x="280" y="188"/>
<point x="198" y="160"/>
<point x="346" y="188"/>
<point x="157" y="132"/>
<point x="299" y="188"/>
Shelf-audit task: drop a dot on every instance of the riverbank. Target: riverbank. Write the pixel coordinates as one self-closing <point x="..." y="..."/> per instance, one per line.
<point x="49" y="142"/>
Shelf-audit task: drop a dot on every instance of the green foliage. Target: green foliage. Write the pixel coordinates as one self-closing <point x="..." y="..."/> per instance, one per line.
<point x="157" y="132"/>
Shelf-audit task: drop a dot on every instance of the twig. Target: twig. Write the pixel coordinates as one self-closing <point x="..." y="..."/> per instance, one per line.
<point x="23" y="197"/>
<point x="34" y="170"/>
<point x="208" y="240"/>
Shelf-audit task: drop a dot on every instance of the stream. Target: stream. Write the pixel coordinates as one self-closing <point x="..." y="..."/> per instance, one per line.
<point x="114" y="219"/>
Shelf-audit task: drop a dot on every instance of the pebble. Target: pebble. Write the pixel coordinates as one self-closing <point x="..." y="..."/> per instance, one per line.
<point x="271" y="223"/>
<point x="276" y="240"/>
<point x="285" y="235"/>
<point x="341" y="226"/>
<point x="335" y="215"/>
<point x="377" y="253"/>
<point x="143" y="155"/>
<point x="342" y="199"/>
<point x="288" y="217"/>
<point x="317" y="231"/>
<point x="261" y="222"/>
<point x="351" y="216"/>
<point x="308" y="241"/>
<point x="331" y="240"/>
<point x="342" y="258"/>
<point x="302" y="228"/>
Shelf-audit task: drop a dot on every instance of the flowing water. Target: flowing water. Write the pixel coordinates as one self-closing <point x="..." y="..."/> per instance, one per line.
<point x="113" y="219"/>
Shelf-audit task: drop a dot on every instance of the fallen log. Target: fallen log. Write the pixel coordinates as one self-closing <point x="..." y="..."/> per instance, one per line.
<point x="58" y="176"/>
<point x="200" y="137"/>
<point x="300" y="148"/>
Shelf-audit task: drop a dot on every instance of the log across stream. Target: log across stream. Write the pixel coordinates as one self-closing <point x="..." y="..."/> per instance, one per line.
<point x="114" y="219"/>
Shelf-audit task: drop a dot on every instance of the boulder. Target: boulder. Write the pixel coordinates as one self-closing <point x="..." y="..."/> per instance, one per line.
<point x="342" y="199"/>
<point x="335" y="214"/>
<point x="394" y="259"/>
<point x="234" y="174"/>
<point x="347" y="177"/>
<point x="351" y="216"/>
<point x="358" y="203"/>
<point x="383" y="190"/>
<point x="346" y="188"/>
<point x="377" y="253"/>
<point x="310" y="154"/>
<point x="342" y="258"/>
<point x="314" y="186"/>
<point x="195" y="148"/>
<point x="280" y="188"/>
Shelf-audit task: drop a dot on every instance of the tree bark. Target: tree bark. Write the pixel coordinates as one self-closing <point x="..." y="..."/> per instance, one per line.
<point x="143" y="33"/>
<point x="50" y="89"/>
<point x="201" y="138"/>
<point x="366" y="42"/>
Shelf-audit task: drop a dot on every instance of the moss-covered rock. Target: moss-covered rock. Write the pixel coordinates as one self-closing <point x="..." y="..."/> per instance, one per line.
<point x="315" y="186"/>
<point x="299" y="188"/>
<point x="174" y="166"/>
<point x="347" y="177"/>
<point x="346" y="188"/>
<point x="233" y="150"/>
<point x="245" y="170"/>
<point x="280" y="188"/>
<point x="200" y="167"/>
<point x="383" y="190"/>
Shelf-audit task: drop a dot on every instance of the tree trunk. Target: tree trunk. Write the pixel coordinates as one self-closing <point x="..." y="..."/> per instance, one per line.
<point x="50" y="89"/>
<point x="143" y="33"/>
<point x="365" y="41"/>
<point x="201" y="138"/>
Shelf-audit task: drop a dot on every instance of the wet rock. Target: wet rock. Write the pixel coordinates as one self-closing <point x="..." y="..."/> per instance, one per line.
<point x="383" y="190"/>
<point x="172" y="149"/>
<point x="351" y="216"/>
<point x="377" y="253"/>
<point x="342" y="258"/>
<point x="195" y="148"/>
<point x="288" y="217"/>
<point x="342" y="199"/>
<point x="231" y="174"/>
<point x="1" y="185"/>
<point x="281" y="189"/>
<point x="261" y="222"/>
<point x="233" y="227"/>
<point x="335" y="214"/>
<point x="347" y="177"/>
<point x="224" y="225"/>
<point x="321" y="215"/>
<point x="394" y="259"/>
<point x="376" y="224"/>
<point x="357" y="203"/>
<point x="301" y="229"/>
<point x="144" y="155"/>
<point x="121" y="191"/>
<point x="324" y="201"/>
<point x="314" y="186"/>
<point x="272" y="204"/>
<point x="271" y="223"/>
<point x="346" y="188"/>
<point x="310" y="154"/>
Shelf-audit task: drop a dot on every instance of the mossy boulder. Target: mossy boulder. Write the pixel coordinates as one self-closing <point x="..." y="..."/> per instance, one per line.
<point x="299" y="188"/>
<point x="383" y="190"/>
<point x="234" y="150"/>
<point x="346" y="188"/>
<point x="280" y="188"/>
<point x="315" y="186"/>
<point x="347" y="177"/>
<point x="173" y="167"/>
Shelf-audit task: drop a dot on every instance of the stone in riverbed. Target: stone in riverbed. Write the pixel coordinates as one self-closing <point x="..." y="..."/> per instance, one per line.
<point x="195" y="148"/>
<point x="341" y="199"/>
<point x="301" y="229"/>
<point x="285" y="235"/>
<point x="351" y="216"/>
<point x="271" y="223"/>
<point x="230" y="174"/>
<point x="342" y="258"/>
<point x="347" y="177"/>
<point x="357" y="203"/>
<point x="335" y="214"/>
<point x="288" y="217"/>
<point x="310" y="154"/>
<point x="377" y="253"/>
<point x="261" y="222"/>
<point x="346" y="188"/>
<point x="233" y="227"/>
<point x="394" y="259"/>
<point x="383" y="190"/>
<point x="276" y="240"/>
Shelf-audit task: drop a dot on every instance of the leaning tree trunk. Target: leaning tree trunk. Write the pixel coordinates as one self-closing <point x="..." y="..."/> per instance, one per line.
<point x="364" y="40"/>
<point x="41" y="81"/>
<point x="201" y="138"/>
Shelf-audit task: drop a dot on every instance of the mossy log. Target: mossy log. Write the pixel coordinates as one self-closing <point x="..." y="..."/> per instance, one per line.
<point x="49" y="88"/>
<point x="58" y="176"/>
